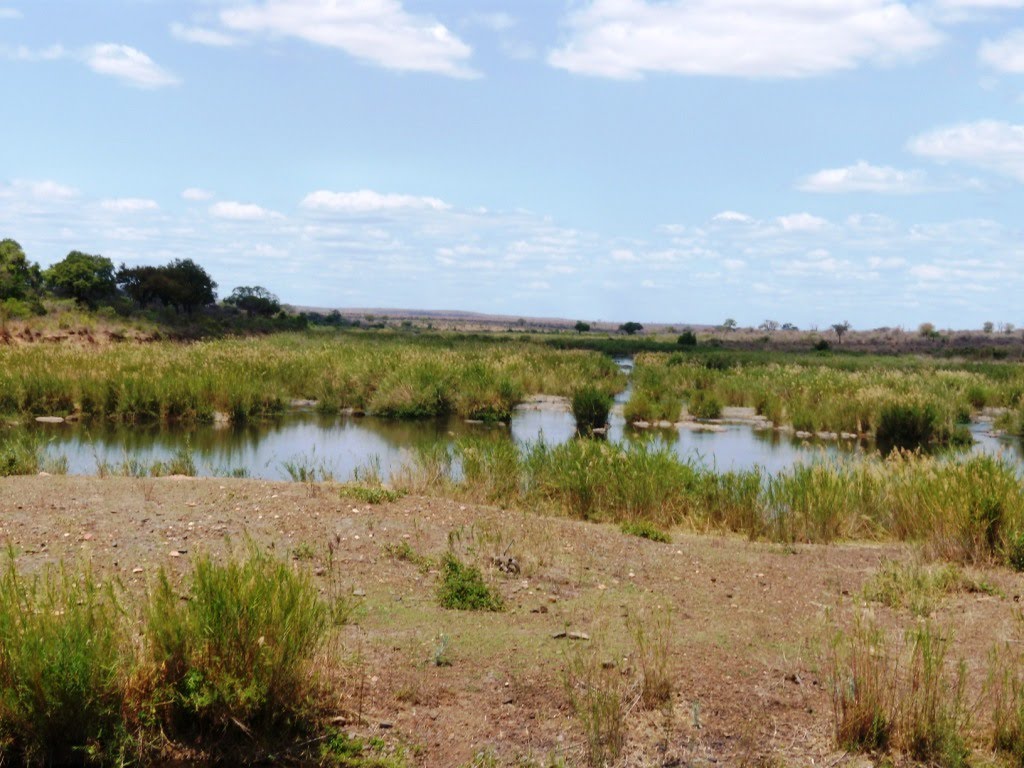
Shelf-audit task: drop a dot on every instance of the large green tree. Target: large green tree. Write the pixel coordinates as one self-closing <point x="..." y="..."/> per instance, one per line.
<point x="81" y="276"/>
<point x="181" y="284"/>
<point x="19" y="278"/>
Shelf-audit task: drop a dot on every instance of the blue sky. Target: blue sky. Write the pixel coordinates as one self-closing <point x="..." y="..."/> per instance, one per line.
<point x="806" y="161"/>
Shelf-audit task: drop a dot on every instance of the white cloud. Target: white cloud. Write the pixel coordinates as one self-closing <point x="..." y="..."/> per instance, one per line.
<point x="991" y="144"/>
<point x="46" y="191"/>
<point x="24" y="53"/>
<point x="129" y="205"/>
<point x="732" y="217"/>
<point x="1005" y="54"/>
<point x="128" y="64"/>
<point x="10" y="13"/>
<point x="864" y="177"/>
<point x="379" y="31"/>
<point x="196" y="195"/>
<point x="498" y="21"/>
<point x="368" y="201"/>
<point x="236" y="211"/>
<point x="744" y="38"/>
<point x="802" y="222"/>
<point x="202" y="36"/>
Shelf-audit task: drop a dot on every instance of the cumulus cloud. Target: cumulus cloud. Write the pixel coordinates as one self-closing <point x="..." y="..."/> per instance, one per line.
<point x="47" y="191"/>
<point x="990" y="144"/>
<point x="732" y="217"/>
<point x="381" y="32"/>
<point x="129" y="205"/>
<point x="128" y="64"/>
<point x="368" y="201"/>
<point x="743" y="38"/>
<point x="864" y="177"/>
<point x="801" y="222"/>
<point x="24" y="53"/>
<point x="196" y="195"/>
<point x="1005" y="54"/>
<point x="235" y="211"/>
<point x="202" y="36"/>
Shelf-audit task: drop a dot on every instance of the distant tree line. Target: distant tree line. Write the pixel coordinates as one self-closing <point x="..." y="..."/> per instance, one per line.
<point x="181" y="285"/>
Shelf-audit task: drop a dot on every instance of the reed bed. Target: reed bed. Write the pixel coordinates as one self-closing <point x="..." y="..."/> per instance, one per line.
<point x="241" y="379"/>
<point x="969" y="510"/>
<point x="823" y="392"/>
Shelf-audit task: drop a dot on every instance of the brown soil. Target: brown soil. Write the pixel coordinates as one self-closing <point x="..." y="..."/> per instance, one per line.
<point x="749" y="620"/>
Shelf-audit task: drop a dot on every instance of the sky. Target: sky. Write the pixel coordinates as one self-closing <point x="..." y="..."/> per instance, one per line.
<point x="676" y="161"/>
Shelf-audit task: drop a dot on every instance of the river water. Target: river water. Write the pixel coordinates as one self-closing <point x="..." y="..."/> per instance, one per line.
<point x="344" y="445"/>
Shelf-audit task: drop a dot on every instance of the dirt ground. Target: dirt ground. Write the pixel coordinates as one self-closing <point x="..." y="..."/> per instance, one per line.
<point x="747" y="623"/>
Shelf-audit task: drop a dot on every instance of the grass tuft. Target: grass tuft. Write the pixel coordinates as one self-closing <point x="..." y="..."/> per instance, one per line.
<point x="462" y="587"/>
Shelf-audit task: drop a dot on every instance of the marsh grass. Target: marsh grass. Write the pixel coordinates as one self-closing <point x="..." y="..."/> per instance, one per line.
<point x="20" y="454"/>
<point x="861" y="671"/>
<point x="590" y="407"/>
<point x="651" y="631"/>
<point x="235" y="655"/>
<point x="395" y="375"/>
<point x="64" y="668"/>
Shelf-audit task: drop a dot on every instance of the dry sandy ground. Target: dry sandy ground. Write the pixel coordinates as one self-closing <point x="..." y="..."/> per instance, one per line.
<point x="749" y="621"/>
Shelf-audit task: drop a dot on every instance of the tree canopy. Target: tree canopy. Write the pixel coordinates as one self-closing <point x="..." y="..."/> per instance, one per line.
<point x="86" y="278"/>
<point x="181" y="284"/>
<point x="631" y="327"/>
<point x="19" y="278"/>
<point x="255" y="300"/>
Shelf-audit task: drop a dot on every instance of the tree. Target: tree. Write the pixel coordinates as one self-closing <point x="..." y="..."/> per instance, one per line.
<point x="630" y="328"/>
<point x="255" y="300"/>
<point x="927" y="330"/>
<point x="988" y="326"/>
<point x="581" y="327"/>
<point x="19" y="278"/>
<point x="841" y="329"/>
<point x="789" y="327"/>
<point x="729" y="324"/>
<point x="181" y="284"/>
<point x="85" y="278"/>
<point x="770" y="326"/>
<point x="687" y="338"/>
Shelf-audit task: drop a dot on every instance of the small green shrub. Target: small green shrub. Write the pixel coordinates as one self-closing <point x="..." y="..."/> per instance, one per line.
<point x="63" y="670"/>
<point x="821" y="345"/>
<point x="704" y="405"/>
<point x="646" y="530"/>
<point x="590" y="407"/>
<point x="936" y="717"/>
<point x="462" y="587"/>
<point x="237" y="650"/>
<point x="1015" y="551"/>
<point x="687" y="339"/>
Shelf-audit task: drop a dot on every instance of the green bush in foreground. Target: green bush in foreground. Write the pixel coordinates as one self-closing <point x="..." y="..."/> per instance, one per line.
<point x="63" y="662"/>
<point x="19" y="455"/>
<point x="237" y="651"/>
<point x="462" y="587"/>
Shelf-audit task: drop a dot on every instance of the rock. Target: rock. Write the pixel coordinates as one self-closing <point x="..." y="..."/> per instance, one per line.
<point x="848" y="435"/>
<point x="578" y="636"/>
<point x="44" y="474"/>
<point x="302" y="403"/>
<point x="137" y="570"/>
<point x="50" y="419"/>
<point x="559" y="635"/>
<point x="600" y="430"/>
<point x="358" y="593"/>
<point x="827" y="435"/>
<point x="174" y="553"/>
<point x="803" y="435"/>
<point x="642" y="424"/>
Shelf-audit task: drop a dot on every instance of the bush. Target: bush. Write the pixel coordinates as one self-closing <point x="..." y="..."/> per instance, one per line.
<point x="687" y="339"/>
<point x="704" y="405"/>
<point x="463" y="589"/>
<point x="906" y="425"/>
<point x="19" y="456"/>
<point x="236" y="652"/>
<point x="646" y="530"/>
<point x="822" y="346"/>
<point x="590" y="407"/>
<point x="62" y="671"/>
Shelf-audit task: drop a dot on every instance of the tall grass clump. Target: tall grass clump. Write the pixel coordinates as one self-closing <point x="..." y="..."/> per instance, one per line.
<point x="907" y="426"/>
<point x="862" y="671"/>
<point x="236" y="653"/>
<point x="1005" y="688"/>
<point x="597" y="695"/>
<point x="590" y="407"/>
<point x="935" y="716"/>
<point x="63" y="671"/>
<point x="19" y="455"/>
